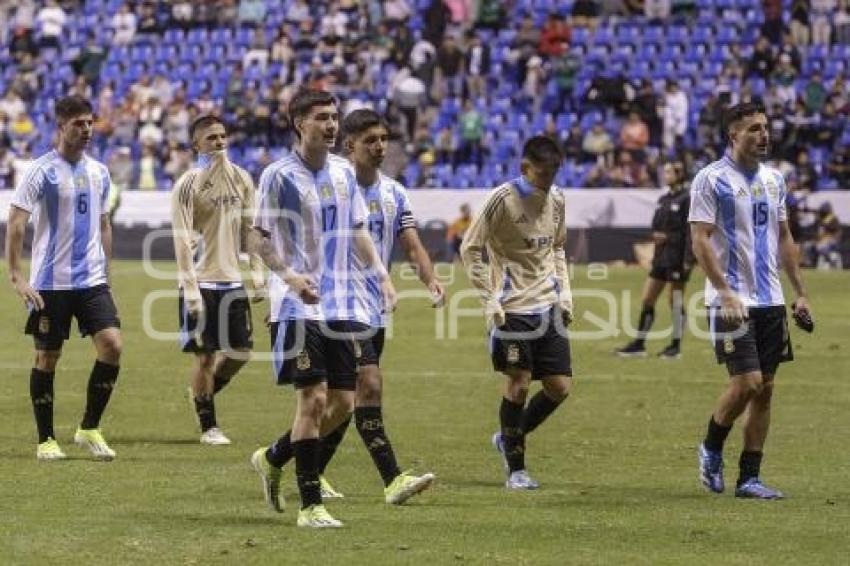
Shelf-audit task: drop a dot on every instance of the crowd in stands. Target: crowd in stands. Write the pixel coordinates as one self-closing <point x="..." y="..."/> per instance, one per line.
<point x="623" y="84"/>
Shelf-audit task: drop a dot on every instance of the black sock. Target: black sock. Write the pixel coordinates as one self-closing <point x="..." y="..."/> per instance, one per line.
<point x="330" y="443"/>
<point x="280" y="452"/>
<point x="716" y="435"/>
<point x="205" y="407"/>
<point x="220" y="382"/>
<point x="101" y="383"/>
<point x="306" y="474"/>
<point x="41" y="393"/>
<point x="370" y="425"/>
<point x="749" y="465"/>
<point x="647" y="317"/>
<point x="537" y="411"/>
<point x="510" y="416"/>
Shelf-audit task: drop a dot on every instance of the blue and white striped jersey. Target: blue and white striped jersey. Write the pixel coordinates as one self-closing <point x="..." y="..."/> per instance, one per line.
<point x="746" y="210"/>
<point x="310" y="218"/>
<point x="66" y="202"/>
<point x="389" y="214"/>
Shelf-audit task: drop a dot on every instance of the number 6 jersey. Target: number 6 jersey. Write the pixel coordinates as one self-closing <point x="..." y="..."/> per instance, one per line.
<point x="66" y="202"/>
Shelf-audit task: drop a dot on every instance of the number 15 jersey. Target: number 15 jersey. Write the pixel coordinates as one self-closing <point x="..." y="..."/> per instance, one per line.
<point x="66" y="202"/>
<point x="746" y="209"/>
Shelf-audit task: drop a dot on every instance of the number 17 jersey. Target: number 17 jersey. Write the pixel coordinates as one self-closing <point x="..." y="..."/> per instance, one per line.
<point x="66" y="202"/>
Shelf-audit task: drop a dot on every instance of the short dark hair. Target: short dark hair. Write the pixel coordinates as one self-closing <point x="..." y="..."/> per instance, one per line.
<point x="739" y="112"/>
<point x="304" y="100"/>
<point x="360" y="120"/>
<point x="72" y="106"/>
<point x="542" y="149"/>
<point x="202" y="122"/>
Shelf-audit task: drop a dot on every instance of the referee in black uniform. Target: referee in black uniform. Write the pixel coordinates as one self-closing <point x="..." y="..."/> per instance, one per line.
<point x="671" y="263"/>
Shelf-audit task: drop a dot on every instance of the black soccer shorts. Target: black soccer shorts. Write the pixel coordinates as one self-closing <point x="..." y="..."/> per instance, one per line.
<point x="760" y="343"/>
<point x="531" y="342"/>
<point x="93" y="308"/>
<point x="308" y="352"/>
<point x="372" y="347"/>
<point x="669" y="273"/>
<point x="224" y="325"/>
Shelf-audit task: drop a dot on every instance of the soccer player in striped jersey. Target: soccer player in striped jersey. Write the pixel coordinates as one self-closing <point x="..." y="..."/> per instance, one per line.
<point x="365" y="136"/>
<point x="311" y="221"/>
<point x="739" y="228"/>
<point x="66" y="191"/>
<point x="526" y="294"/>
<point x="212" y="213"/>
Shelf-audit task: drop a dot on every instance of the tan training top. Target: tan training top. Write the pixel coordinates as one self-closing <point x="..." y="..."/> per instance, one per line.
<point x="212" y="210"/>
<point x="523" y="231"/>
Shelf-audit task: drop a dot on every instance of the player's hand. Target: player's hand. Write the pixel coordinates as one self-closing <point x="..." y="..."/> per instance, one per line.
<point x="28" y="295"/>
<point x="304" y="288"/>
<point x="731" y="307"/>
<point x="495" y="317"/>
<point x="389" y="294"/>
<point x="267" y="320"/>
<point x="566" y="313"/>
<point x="438" y="294"/>
<point x="803" y="314"/>
<point x="195" y="307"/>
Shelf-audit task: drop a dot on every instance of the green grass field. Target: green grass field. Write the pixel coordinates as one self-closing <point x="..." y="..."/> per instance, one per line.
<point x="616" y="463"/>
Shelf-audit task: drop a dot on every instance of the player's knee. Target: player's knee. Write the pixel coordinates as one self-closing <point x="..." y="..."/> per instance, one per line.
<point x="369" y="388"/>
<point x="765" y="394"/>
<point x="110" y="348"/>
<point x="557" y="389"/>
<point x="751" y="385"/>
<point x="46" y="360"/>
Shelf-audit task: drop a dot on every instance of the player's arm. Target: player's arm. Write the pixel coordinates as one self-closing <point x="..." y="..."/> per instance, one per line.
<point x="182" y="233"/>
<point x="791" y="264"/>
<point x="472" y="256"/>
<point x="731" y="306"/>
<point x="246" y="232"/>
<point x="418" y="257"/>
<point x="562" y="274"/>
<point x="364" y="247"/>
<point x="15" y="227"/>
<point x="106" y="242"/>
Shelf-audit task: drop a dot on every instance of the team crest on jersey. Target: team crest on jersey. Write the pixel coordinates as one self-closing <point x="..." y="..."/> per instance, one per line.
<point x="756" y="189"/>
<point x="512" y="356"/>
<point x="80" y="180"/>
<point x="389" y="205"/>
<point x="302" y="361"/>
<point x="728" y="345"/>
<point x="374" y="207"/>
<point x="341" y="189"/>
<point x="43" y="325"/>
<point x="326" y="192"/>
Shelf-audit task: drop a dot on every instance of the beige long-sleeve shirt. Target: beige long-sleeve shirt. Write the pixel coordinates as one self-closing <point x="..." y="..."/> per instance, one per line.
<point x="523" y="231"/>
<point x="212" y="209"/>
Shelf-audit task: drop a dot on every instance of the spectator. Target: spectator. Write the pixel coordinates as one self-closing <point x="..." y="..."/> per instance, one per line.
<point x="821" y="14"/>
<point x="445" y="147"/>
<point x="396" y="12"/>
<point x="646" y="104"/>
<point x="586" y="13"/>
<point x="762" y="61"/>
<point x="124" y="24"/>
<point x="773" y="26"/>
<point x="572" y="143"/>
<point x="334" y="22"/>
<point x="148" y="25"/>
<point x="450" y="69"/>
<point x="800" y="21"/>
<point x="436" y="19"/>
<point x="471" y="134"/>
<point x="534" y="85"/>
<point x="227" y="13"/>
<point x="181" y="14"/>
<point x="147" y="174"/>
<point x="806" y="174"/>
<point x="22" y="44"/>
<point x="839" y="167"/>
<point x="205" y="13"/>
<point x="120" y="167"/>
<point x="565" y="69"/>
<point x="785" y="80"/>
<point x="408" y="93"/>
<point x="841" y="23"/>
<point x="7" y="168"/>
<point x="90" y="61"/>
<point x="252" y="13"/>
<point x="491" y="15"/>
<point x="675" y="116"/>
<point x="815" y="94"/>
<point x="789" y="47"/>
<point x="597" y="144"/>
<point x="21" y="130"/>
<point x="11" y="104"/>
<point x="656" y="10"/>
<point x="24" y="15"/>
<point x="162" y="89"/>
<point x="554" y="37"/>
<point x="81" y="88"/>
<point x="457" y="230"/>
<point x="634" y="135"/>
<point x="52" y="20"/>
<point x="258" y="53"/>
<point x="628" y="172"/>
<point x="829" y="128"/>
<point x="477" y="65"/>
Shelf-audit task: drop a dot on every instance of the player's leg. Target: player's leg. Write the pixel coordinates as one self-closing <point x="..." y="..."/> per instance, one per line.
<point x="556" y="389"/>
<point x="651" y="291"/>
<point x="677" y="314"/>
<point x="237" y="344"/>
<point x="510" y="440"/>
<point x="203" y="397"/>
<point x="49" y="328"/>
<point x="98" y="317"/>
